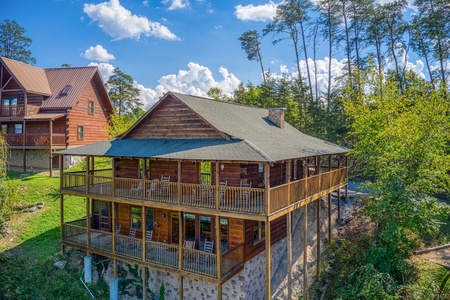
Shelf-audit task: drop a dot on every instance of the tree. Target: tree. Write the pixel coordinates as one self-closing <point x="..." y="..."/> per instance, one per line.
<point x="217" y="94"/>
<point x="250" y="43"/>
<point x="118" y="124"/>
<point x="124" y="96"/>
<point x="13" y="43"/>
<point x="401" y="139"/>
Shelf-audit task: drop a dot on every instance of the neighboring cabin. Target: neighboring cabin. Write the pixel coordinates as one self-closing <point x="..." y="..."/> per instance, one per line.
<point x="43" y="110"/>
<point x="200" y="194"/>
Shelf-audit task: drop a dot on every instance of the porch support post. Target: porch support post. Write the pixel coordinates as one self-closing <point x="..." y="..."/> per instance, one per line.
<point x="329" y="220"/>
<point x="144" y="283"/>
<point x="267" y="188"/>
<point x="180" y="239"/>
<point x="180" y="287"/>
<point x="24" y="151"/>
<point x="289" y="253"/>
<point x="268" y="271"/>
<point x="218" y="243"/>
<point x="51" y="147"/>
<point x="113" y="179"/>
<point x="217" y="191"/>
<point x="288" y="180"/>
<point x="346" y="186"/>
<point x="180" y="253"/>
<point x="88" y="222"/>
<point x="88" y="268"/>
<point x="144" y="233"/>
<point x="61" y="200"/>
<point x="88" y="168"/>
<point x="180" y="196"/>
<point x="318" y="237"/>
<point x="113" y="211"/>
<point x="114" y="283"/>
<point x="305" y="252"/>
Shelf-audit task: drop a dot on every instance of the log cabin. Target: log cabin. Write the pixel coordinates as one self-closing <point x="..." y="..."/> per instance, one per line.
<point x="201" y="192"/>
<point x="43" y="110"/>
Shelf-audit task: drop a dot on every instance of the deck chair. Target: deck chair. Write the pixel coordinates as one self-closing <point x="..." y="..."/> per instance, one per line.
<point x="132" y="232"/>
<point x="209" y="246"/>
<point x="136" y="189"/>
<point x="222" y="190"/>
<point x="149" y="235"/>
<point x="245" y="194"/>
<point x="151" y="192"/>
<point x="165" y="184"/>
<point x="118" y="229"/>
<point x="189" y="244"/>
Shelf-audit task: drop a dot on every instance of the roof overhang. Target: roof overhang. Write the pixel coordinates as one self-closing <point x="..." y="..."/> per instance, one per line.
<point x="44" y="117"/>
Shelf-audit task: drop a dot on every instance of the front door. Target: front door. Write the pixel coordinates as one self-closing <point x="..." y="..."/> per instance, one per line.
<point x="101" y="215"/>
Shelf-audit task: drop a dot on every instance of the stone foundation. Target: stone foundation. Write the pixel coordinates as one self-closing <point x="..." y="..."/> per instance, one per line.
<point x="35" y="158"/>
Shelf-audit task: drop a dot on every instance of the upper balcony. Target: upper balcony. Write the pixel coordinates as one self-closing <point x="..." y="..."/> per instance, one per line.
<point x="36" y="140"/>
<point x="250" y="201"/>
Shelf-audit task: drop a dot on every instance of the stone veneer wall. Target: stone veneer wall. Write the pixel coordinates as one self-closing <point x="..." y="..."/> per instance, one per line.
<point x="35" y="158"/>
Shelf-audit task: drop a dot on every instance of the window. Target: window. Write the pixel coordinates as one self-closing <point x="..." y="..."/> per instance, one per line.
<point x="295" y="169"/>
<point x="5" y="128"/>
<point x="261" y="173"/>
<point x="80" y="132"/>
<point x="91" y="107"/>
<point x="136" y="217"/>
<point x="66" y="89"/>
<point x="259" y="231"/>
<point x="18" y="128"/>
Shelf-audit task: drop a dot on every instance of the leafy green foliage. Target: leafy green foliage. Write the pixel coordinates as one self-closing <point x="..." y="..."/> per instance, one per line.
<point x="13" y="44"/>
<point x="119" y="124"/>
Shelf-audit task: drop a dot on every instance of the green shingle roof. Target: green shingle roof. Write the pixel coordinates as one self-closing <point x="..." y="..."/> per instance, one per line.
<point x="253" y="138"/>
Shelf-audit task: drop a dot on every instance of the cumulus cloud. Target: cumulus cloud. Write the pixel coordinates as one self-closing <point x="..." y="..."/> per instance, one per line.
<point x="197" y="80"/>
<point x="262" y="13"/>
<point x="120" y="23"/>
<point x="176" y="4"/>
<point x="98" y="53"/>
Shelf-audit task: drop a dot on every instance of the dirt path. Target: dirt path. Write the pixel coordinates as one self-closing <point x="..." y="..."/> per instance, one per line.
<point x="441" y="256"/>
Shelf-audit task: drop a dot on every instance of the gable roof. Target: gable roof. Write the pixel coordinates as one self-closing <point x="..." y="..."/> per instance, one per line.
<point x="77" y="77"/>
<point x="30" y="78"/>
<point x="252" y="137"/>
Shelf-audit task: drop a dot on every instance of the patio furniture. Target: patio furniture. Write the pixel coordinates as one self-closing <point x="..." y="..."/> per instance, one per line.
<point x="209" y="246"/>
<point x="165" y="184"/>
<point x="117" y="231"/>
<point x="136" y="189"/>
<point x="149" y="235"/>
<point x="189" y="244"/>
<point x="132" y="232"/>
<point x="151" y="192"/>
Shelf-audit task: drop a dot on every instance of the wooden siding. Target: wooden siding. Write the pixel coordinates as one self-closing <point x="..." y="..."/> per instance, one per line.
<point x="174" y="119"/>
<point x="235" y="232"/>
<point x="94" y="125"/>
<point x="278" y="232"/>
<point x="277" y="174"/>
<point x="126" y="168"/>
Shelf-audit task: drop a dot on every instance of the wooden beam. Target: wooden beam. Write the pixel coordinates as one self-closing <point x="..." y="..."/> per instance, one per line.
<point x="218" y="243"/>
<point x="180" y="287"/>
<point x="217" y="190"/>
<point x="144" y="232"/>
<point x="24" y="151"/>
<point x="61" y="200"/>
<point x="88" y="223"/>
<point x="289" y="254"/>
<point x="305" y="252"/>
<point x="268" y="260"/>
<point x="318" y="238"/>
<point x="267" y="188"/>
<point x="51" y="147"/>
<point x="329" y="220"/>
<point x="113" y="212"/>
<point x="339" y="204"/>
<point x="180" y="239"/>
<point x="144" y="283"/>
<point x="180" y="196"/>
<point x="115" y="268"/>
<point x="219" y="291"/>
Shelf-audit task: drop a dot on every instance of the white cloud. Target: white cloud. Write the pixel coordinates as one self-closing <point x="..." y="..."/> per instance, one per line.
<point x="98" y="53"/>
<point x="262" y="13"/>
<point x="105" y="70"/>
<point x="145" y="3"/>
<point x="197" y="80"/>
<point x="120" y="23"/>
<point x="176" y="4"/>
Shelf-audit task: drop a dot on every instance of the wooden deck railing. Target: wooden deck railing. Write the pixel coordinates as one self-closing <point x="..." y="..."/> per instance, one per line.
<point x="200" y="262"/>
<point x="162" y="254"/>
<point x="238" y="199"/>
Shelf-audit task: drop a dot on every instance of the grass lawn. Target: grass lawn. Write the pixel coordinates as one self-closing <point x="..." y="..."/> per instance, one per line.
<point x="28" y="251"/>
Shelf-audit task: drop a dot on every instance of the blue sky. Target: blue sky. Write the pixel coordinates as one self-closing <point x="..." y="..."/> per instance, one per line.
<point x="181" y="45"/>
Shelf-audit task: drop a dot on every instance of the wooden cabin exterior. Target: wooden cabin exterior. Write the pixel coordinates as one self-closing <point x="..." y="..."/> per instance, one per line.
<point x="197" y="170"/>
<point x="43" y="110"/>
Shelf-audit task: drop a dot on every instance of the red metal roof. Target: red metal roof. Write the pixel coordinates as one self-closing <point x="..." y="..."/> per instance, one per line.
<point x="30" y="78"/>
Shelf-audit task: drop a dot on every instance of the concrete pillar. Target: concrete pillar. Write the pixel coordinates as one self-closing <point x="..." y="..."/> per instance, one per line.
<point x="88" y="269"/>
<point x="114" y="289"/>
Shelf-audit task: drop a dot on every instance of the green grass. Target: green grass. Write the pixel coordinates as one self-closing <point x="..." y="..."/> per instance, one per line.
<point x="27" y="270"/>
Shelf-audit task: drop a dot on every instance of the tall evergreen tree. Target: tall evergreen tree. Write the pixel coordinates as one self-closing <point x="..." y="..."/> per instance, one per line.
<point x="250" y="43"/>
<point x="124" y="96"/>
<point x="13" y="43"/>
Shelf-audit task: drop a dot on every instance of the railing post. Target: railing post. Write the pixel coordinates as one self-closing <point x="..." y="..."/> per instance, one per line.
<point x="144" y="233"/>
<point x="88" y="222"/>
<point x="113" y="179"/>
<point x="288" y="180"/>
<point x="113" y="204"/>
<point x="180" y="240"/>
<point x="88" y="160"/>
<point x="268" y="260"/>
<point x="218" y="247"/>
<point x="179" y="191"/>
<point x="61" y="199"/>
<point x="217" y="189"/>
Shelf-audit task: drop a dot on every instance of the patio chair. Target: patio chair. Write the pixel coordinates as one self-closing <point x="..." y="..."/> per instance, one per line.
<point x="189" y="244"/>
<point x="222" y="190"/>
<point x="132" y="232"/>
<point x="136" y="189"/>
<point x="244" y="196"/>
<point x="209" y="246"/>
<point x="118" y="229"/>
<point x="149" y="235"/>
<point x="151" y="192"/>
<point x="165" y="184"/>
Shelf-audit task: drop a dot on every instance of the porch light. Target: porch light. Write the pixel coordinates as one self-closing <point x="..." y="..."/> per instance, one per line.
<point x="222" y="166"/>
<point x="163" y="216"/>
